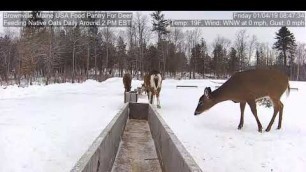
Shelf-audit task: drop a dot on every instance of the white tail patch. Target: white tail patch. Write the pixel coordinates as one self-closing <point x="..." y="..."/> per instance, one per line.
<point x="155" y="84"/>
<point x="152" y="82"/>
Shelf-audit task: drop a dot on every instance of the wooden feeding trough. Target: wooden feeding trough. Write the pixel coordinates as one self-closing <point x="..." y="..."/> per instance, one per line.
<point x="137" y="139"/>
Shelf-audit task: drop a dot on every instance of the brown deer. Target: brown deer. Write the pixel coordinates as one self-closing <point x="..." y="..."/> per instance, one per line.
<point x="155" y="86"/>
<point x="152" y="86"/>
<point x="145" y="87"/>
<point x="127" y="81"/>
<point x="247" y="87"/>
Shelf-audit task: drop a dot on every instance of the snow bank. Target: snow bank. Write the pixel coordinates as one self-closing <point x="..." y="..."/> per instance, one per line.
<point x="48" y="128"/>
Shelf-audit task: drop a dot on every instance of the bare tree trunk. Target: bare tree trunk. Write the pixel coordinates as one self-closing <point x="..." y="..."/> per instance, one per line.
<point x="106" y="61"/>
<point x="87" y="62"/>
<point x="95" y="62"/>
<point x="73" y="62"/>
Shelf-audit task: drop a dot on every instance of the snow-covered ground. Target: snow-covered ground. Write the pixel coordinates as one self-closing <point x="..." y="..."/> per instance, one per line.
<point x="48" y="128"/>
<point x="216" y="144"/>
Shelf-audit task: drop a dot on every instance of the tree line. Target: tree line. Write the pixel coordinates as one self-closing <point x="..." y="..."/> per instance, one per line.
<point x="74" y="54"/>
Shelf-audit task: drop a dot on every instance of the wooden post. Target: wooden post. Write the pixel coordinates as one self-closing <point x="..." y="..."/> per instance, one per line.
<point x="131" y="96"/>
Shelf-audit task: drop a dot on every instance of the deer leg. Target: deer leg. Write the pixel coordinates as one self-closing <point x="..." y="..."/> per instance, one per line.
<point x="150" y="97"/>
<point x="280" y="115"/>
<point x="158" y="102"/>
<point x="157" y="99"/>
<point x="276" y="109"/>
<point x="242" y="107"/>
<point x="252" y="105"/>
<point x="124" y="96"/>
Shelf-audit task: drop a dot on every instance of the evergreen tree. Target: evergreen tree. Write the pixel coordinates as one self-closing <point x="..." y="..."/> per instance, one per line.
<point x="260" y="59"/>
<point x="285" y="44"/>
<point x="233" y="61"/>
<point x="257" y="55"/>
<point x="152" y="58"/>
<point x="194" y="60"/>
<point x="219" y="60"/>
<point x="159" y="24"/>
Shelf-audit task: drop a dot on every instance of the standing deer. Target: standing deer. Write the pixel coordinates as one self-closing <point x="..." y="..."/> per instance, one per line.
<point x="127" y="80"/>
<point x="145" y="87"/>
<point x="155" y="86"/>
<point x="247" y="87"/>
<point x="152" y="85"/>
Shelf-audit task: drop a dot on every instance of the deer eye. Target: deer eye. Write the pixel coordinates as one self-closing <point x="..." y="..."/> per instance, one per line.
<point x="200" y="103"/>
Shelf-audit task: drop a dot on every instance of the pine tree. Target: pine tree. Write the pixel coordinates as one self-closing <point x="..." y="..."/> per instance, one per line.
<point x="260" y="62"/>
<point x="194" y="60"/>
<point x="285" y="44"/>
<point x="257" y="58"/>
<point x="233" y="61"/>
<point x="218" y="55"/>
<point x="159" y="26"/>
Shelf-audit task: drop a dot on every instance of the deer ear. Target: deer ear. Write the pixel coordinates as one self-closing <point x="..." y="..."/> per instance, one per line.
<point x="207" y="92"/>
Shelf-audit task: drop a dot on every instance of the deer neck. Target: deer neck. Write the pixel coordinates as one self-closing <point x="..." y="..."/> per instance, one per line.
<point x="221" y="94"/>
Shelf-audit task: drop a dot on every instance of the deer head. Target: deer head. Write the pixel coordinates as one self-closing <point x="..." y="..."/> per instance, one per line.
<point x="205" y="102"/>
<point x="142" y="88"/>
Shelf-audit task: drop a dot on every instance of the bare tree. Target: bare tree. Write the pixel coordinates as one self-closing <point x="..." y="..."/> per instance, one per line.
<point x="224" y="42"/>
<point x="252" y="47"/>
<point x="6" y="46"/>
<point x="177" y="37"/>
<point x="131" y="34"/>
<point x="76" y="44"/>
<point x="51" y="51"/>
<point x="108" y="38"/>
<point x="300" y="57"/>
<point x="221" y="46"/>
<point x="192" y="38"/>
<point x="241" y="47"/>
<point x="142" y="29"/>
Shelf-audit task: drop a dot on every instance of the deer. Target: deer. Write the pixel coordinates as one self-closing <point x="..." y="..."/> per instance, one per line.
<point x="152" y="85"/>
<point x="127" y="80"/>
<point x="246" y="87"/>
<point x="145" y="87"/>
<point x="155" y="87"/>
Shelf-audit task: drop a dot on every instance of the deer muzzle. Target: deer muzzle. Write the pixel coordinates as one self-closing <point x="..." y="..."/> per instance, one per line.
<point x="196" y="113"/>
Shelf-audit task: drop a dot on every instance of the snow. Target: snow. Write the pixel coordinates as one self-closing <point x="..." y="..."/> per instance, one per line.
<point x="216" y="144"/>
<point x="48" y="128"/>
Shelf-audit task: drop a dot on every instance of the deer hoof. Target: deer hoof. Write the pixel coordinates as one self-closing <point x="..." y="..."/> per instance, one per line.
<point x="158" y="106"/>
<point x="278" y="128"/>
<point x="239" y="127"/>
<point x="268" y="129"/>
